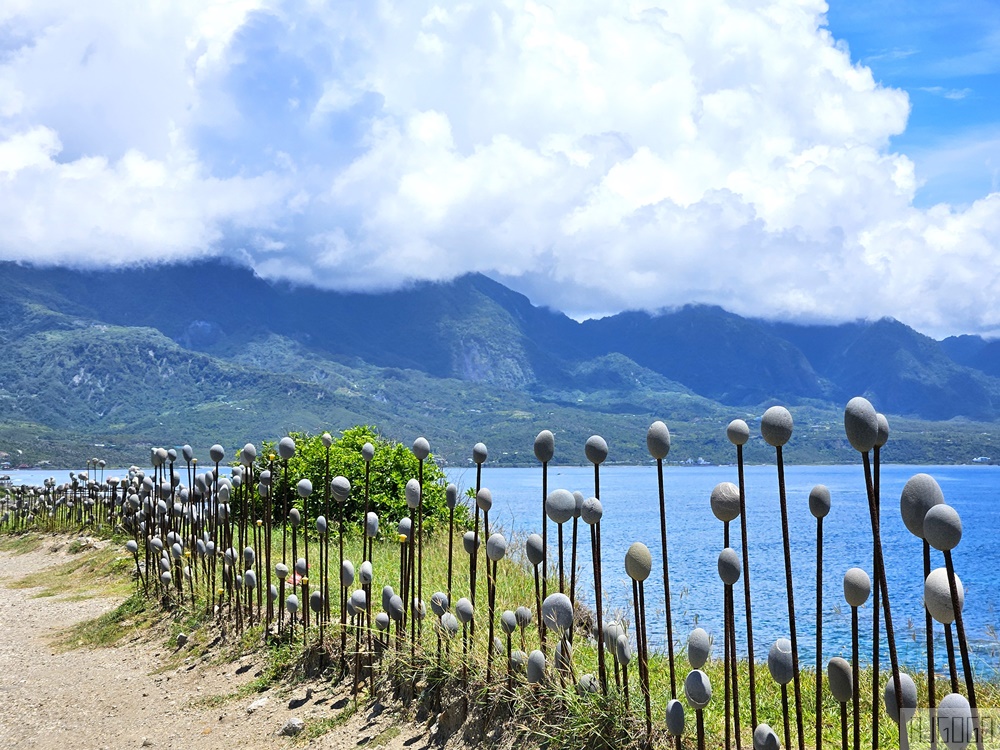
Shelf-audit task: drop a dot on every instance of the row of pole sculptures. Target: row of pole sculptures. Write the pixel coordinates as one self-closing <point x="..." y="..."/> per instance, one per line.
<point x="210" y="542"/>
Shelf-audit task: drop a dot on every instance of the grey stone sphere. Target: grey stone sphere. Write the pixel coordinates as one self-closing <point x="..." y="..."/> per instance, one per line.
<point x="395" y="608"/>
<point x="439" y="603"/>
<point x="217" y="453"/>
<point x="564" y="655"/>
<point x="518" y="660"/>
<point x="675" y="718"/>
<point x="954" y="720"/>
<point x="304" y="488"/>
<point x="612" y="629"/>
<point x="638" y="562"/>
<point x="937" y="596"/>
<point x="479" y="453"/>
<point x="861" y="424"/>
<point x="883" y="430"/>
<point x="534" y="550"/>
<point x="587" y="685"/>
<point x="592" y="511"/>
<point x="470" y="543"/>
<point x="496" y="547"/>
<point x="132" y="547"/>
<point x="730" y="567"/>
<point x="272" y="593"/>
<point x="464" y="610"/>
<point x="508" y="621"/>
<point x="738" y="432"/>
<point x="451" y="496"/>
<point x="697" y="689"/>
<point x="347" y="574"/>
<point x="484" y="499"/>
<point x="387" y="594"/>
<point x="557" y="612"/>
<point x="250" y="580"/>
<point x="658" y="440"/>
<point x="578" y="500"/>
<point x="327" y="439"/>
<point x="524" y="616"/>
<point x="295" y="517"/>
<point x="449" y="624"/>
<point x="779" y="661"/>
<point x="725" y="501"/>
<point x="765" y="738"/>
<point x="819" y="501"/>
<point x="188" y="452"/>
<point x="545" y="446"/>
<point x="943" y="527"/>
<point x="418" y="610"/>
<point x="421" y="448"/>
<point x="281" y="571"/>
<point x="536" y="667"/>
<point x="412" y="494"/>
<point x="382" y="621"/>
<point x="249" y="454"/>
<point x="596" y="449"/>
<point x="909" y="698"/>
<point x="857" y="587"/>
<point x="776" y="426"/>
<point x="560" y="506"/>
<point x="841" y="679"/>
<point x="920" y="493"/>
<point x="292" y="604"/>
<point x="371" y="524"/>
<point x="366" y="573"/>
<point x="286" y="448"/>
<point x="623" y="650"/>
<point x="340" y="488"/>
<point x="321" y="525"/>
<point x="405" y="527"/>
<point x="699" y="648"/>
<point x="316" y="601"/>
<point x="368" y="452"/>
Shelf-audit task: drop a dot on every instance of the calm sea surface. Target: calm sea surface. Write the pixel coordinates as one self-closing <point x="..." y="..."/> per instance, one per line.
<point x="629" y="496"/>
<point x="695" y="538"/>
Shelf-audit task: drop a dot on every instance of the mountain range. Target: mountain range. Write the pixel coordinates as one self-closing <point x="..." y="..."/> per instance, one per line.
<point x="119" y="360"/>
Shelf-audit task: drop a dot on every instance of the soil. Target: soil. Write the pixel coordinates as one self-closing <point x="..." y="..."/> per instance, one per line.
<point x="139" y="694"/>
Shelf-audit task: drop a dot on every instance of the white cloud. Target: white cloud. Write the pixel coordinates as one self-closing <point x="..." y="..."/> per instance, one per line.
<point x="603" y="155"/>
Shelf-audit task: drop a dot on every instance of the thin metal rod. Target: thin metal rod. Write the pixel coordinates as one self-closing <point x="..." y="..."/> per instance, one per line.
<point x="791" y="598"/>
<point x="746" y="591"/>
<point x="819" y="632"/>
<point x="855" y="676"/>
<point x="886" y="610"/>
<point x="963" y="644"/>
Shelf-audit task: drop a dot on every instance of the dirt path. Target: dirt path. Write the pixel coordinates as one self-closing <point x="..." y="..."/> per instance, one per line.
<point x="120" y="697"/>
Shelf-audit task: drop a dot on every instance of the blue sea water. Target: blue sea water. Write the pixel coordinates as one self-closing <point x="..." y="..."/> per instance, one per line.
<point x="629" y="496"/>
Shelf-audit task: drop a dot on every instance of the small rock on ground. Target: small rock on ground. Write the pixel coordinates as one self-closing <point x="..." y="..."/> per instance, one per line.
<point x="292" y="727"/>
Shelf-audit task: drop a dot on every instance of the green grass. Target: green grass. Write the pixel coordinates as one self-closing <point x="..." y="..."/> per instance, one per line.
<point x="548" y="715"/>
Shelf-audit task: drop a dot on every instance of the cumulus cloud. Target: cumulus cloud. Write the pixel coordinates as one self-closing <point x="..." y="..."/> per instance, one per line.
<point x="598" y="155"/>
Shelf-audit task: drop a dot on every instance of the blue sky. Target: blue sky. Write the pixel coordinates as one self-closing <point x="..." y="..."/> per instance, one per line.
<point x="946" y="56"/>
<point x="779" y="158"/>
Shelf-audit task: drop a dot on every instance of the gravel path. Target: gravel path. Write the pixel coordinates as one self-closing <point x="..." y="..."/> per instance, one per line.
<point x="117" y="698"/>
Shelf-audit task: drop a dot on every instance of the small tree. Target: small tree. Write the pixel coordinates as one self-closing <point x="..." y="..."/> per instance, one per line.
<point x="392" y="466"/>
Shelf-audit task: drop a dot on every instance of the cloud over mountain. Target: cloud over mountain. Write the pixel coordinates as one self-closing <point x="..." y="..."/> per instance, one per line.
<point x="597" y="155"/>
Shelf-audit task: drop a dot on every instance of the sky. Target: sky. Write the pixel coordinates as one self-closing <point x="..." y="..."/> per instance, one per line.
<point x="784" y="159"/>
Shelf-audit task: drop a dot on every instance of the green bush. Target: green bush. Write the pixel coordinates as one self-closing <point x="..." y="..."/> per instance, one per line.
<point x="392" y="466"/>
